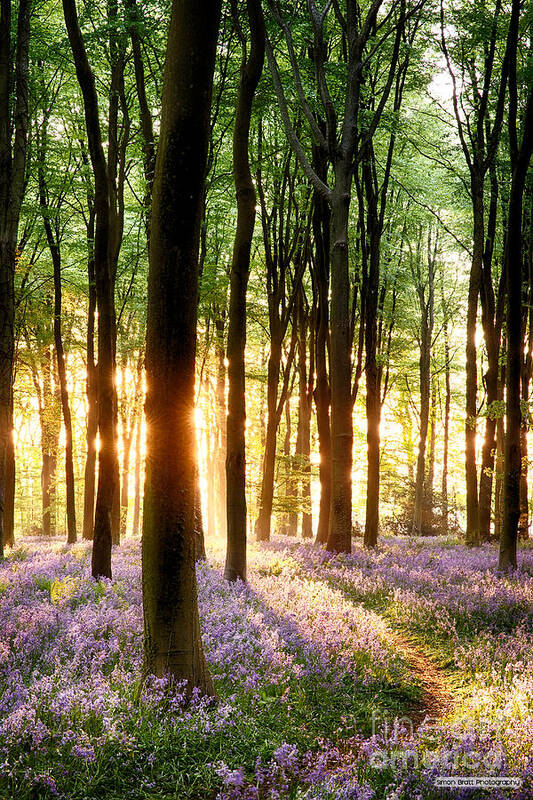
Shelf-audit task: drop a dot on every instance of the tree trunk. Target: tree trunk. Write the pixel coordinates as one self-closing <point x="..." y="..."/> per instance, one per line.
<point x="220" y="430"/>
<point x="492" y="320"/>
<point x="500" y="446"/>
<point x="92" y="393"/>
<point x="373" y="389"/>
<point x="474" y="285"/>
<point x="447" y="407"/>
<point x="137" y="498"/>
<point x="303" y="447"/>
<point x="107" y="461"/>
<point x="263" y="522"/>
<point x="321" y="394"/>
<point x="52" y="228"/>
<point x="65" y="406"/>
<point x="520" y="158"/>
<point x="9" y="507"/>
<point x="340" y="521"/>
<point x="14" y="123"/>
<point x="251" y="69"/>
<point x="426" y="304"/>
<point x="172" y="639"/>
<point x="289" y="516"/>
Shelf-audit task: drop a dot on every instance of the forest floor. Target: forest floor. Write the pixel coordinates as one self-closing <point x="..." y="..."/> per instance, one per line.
<point x="360" y="677"/>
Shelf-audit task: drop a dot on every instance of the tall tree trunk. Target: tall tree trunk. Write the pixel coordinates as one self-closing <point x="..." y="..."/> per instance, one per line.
<point x="92" y="393"/>
<point x="65" y="407"/>
<point x="107" y="457"/>
<point x="474" y="285"/>
<point x="128" y="432"/>
<point x="527" y="368"/>
<point x="14" y="123"/>
<point x="172" y="639"/>
<point x="500" y="446"/>
<point x="251" y="69"/>
<point x="42" y="379"/>
<point x="520" y="159"/>
<point x="303" y="447"/>
<point x="52" y="230"/>
<point x="373" y="389"/>
<point x="137" y="478"/>
<point x="447" y="407"/>
<point x="492" y="320"/>
<point x="289" y="516"/>
<point x="340" y="520"/>
<point x="9" y="506"/>
<point x="220" y="430"/>
<point x="264" y="519"/>
<point x="430" y="476"/>
<point x="426" y="304"/>
<point x="321" y="394"/>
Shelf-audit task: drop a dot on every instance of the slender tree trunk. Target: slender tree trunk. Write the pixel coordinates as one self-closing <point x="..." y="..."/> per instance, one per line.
<point x="447" y="407"/>
<point x="92" y="393"/>
<point x="340" y="521"/>
<point x="9" y="507"/>
<point x="527" y="365"/>
<point x="424" y="423"/>
<point x="251" y="69"/>
<point x="321" y="216"/>
<point x="65" y="406"/>
<point x="49" y="439"/>
<point x="211" y="437"/>
<point x="200" y="554"/>
<point x="172" y="640"/>
<point x="303" y="447"/>
<point x="426" y="304"/>
<point x="264" y="519"/>
<point x="373" y="393"/>
<point x="128" y="432"/>
<point x="53" y="239"/>
<point x="137" y="478"/>
<point x="107" y="460"/>
<point x="500" y="446"/>
<point x="289" y="524"/>
<point x="14" y="123"/>
<point x="220" y="430"/>
<point x="492" y="319"/>
<point x="474" y="285"/>
<point x="430" y="476"/>
<point x="513" y="267"/>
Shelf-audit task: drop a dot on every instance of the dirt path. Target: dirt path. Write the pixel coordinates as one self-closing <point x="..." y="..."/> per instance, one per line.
<point x="438" y="698"/>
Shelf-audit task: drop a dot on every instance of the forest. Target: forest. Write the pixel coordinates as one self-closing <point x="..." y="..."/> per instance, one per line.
<point x="266" y="353"/>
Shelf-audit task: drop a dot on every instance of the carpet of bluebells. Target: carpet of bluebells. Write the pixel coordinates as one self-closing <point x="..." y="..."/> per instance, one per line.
<point x="307" y="674"/>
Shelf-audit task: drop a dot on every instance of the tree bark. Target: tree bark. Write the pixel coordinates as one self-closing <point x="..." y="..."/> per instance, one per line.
<point x="92" y="403"/>
<point x="263" y="522"/>
<point x="520" y="159"/>
<point x="251" y="69"/>
<point x="137" y="478"/>
<point x="447" y="408"/>
<point x="426" y="304"/>
<point x="14" y="123"/>
<point x="220" y="430"/>
<point x="107" y="460"/>
<point x="340" y="521"/>
<point x="52" y="226"/>
<point x="172" y="639"/>
<point x="321" y="393"/>
<point x="303" y="445"/>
